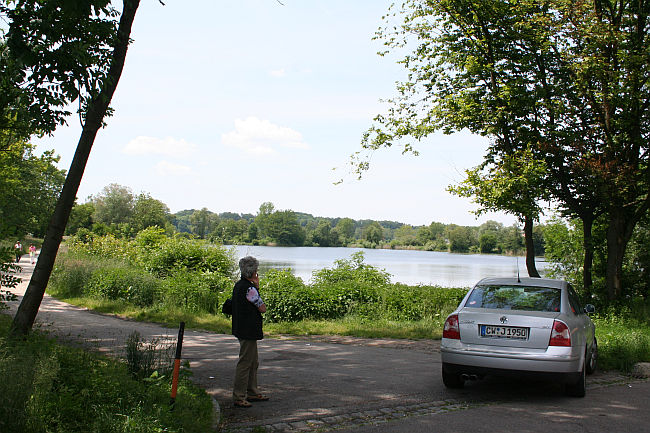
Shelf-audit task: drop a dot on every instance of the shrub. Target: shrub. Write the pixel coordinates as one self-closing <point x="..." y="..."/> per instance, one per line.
<point x="123" y="282"/>
<point x="106" y="247"/>
<point x="402" y="302"/>
<point x="70" y="276"/>
<point x="195" y="292"/>
<point x="353" y="269"/>
<point x="144" y="358"/>
<point x="174" y="254"/>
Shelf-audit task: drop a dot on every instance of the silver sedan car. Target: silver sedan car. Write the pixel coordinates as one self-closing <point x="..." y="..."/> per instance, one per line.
<point x="522" y="326"/>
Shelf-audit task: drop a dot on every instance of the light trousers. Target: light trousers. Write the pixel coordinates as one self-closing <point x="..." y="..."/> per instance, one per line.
<point x="246" y="371"/>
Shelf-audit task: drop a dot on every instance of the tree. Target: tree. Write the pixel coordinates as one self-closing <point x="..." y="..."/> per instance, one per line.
<point x="37" y="18"/>
<point x="282" y="227"/>
<point x="324" y="235"/>
<point x="345" y="228"/>
<point x="406" y="235"/>
<point x="373" y="232"/>
<point x="567" y="79"/>
<point x="113" y="205"/>
<point x="513" y="184"/>
<point x="262" y="218"/>
<point x="54" y="53"/>
<point x="29" y="186"/>
<point x="202" y="222"/>
<point x="81" y="216"/>
<point x="461" y="239"/>
<point x="149" y="212"/>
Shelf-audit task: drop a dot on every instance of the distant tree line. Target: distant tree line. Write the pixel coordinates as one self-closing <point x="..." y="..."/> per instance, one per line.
<point x="117" y="210"/>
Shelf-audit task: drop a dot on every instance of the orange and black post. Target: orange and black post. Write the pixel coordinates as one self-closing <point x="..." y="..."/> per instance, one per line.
<point x="177" y="364"/>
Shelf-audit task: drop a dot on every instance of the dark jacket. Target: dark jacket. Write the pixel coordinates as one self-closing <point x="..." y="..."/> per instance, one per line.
<point x="246" y="318"/>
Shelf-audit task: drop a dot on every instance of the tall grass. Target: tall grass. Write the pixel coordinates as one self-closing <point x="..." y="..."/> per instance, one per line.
<point x="50" y="387"/>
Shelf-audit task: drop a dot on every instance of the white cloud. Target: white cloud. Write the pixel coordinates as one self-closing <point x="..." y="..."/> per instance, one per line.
<point x="261" y="137"/>
<point x="164" y="168"/>
<point x="278" y="73"/>
<point x="167" y="146"/>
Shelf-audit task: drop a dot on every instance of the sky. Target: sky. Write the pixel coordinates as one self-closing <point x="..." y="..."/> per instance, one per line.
<point x="226" y="105"/>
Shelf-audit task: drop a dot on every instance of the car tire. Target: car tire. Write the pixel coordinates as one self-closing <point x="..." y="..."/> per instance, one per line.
<point x="592" y="362"/>
<point x="451" y="379"/>
<point x="579" y="388"/>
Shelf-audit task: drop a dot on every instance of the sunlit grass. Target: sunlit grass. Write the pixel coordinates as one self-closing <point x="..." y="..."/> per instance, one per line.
<point x="622" y="343"/>
<point x="360" y="327"/>
<point x="348" y="326"/>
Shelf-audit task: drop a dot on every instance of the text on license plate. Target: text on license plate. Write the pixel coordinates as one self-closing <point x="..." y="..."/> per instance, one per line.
<point x="503" y="332"/>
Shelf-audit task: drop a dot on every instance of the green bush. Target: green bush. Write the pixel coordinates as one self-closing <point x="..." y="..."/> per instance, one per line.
<point x="174" y="254"/>
<point x="411" y="303"/>
<point x="195" y="292"/>
<point x="105" y="247"/>
<point x="125" y="283"/>
<point x="354" y="288"/>
<point x="71" y="275"/>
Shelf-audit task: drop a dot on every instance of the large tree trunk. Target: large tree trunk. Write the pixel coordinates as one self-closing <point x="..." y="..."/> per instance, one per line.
<point x="31" y="302"/>
<point x="530" y="247"/>
<point x="619" y="233"/>
<point x="588" y="245"/>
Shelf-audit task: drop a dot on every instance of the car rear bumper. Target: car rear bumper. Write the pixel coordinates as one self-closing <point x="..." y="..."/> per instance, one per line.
<point x="560" y="362"/>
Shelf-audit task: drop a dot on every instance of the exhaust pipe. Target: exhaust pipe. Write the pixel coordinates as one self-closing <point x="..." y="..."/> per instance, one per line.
<point x="466" y="376"/>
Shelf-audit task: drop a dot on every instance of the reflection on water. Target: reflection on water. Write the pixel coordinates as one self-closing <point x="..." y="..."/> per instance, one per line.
<point x="405" y="266"/>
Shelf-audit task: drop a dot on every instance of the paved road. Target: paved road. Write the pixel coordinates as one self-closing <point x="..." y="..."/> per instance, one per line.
<point x="319" y="385"/>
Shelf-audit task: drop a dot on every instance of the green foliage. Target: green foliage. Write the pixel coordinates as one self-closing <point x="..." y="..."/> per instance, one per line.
<point x="8" y="269"/>
<point x="144" y="358"/>
<point x="413" y="303"/>
<point x="125" y="283"/>
<point x="29" y="187"/>
<point x="623" y="334"/>
<point x="352" y="288"/>
<point x="71" y="275"/>
<point x="172" y="255"/>
<point x="106" y="247"/>
<point x="354" y="269"/>
<point x="48" y="387"/>
<point x="196" y="292"/>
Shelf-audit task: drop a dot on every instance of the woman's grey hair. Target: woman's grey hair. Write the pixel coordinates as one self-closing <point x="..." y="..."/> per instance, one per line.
<point x="248" y="266"/>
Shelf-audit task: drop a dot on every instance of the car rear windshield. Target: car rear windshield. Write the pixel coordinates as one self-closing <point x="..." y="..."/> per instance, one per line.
<point x="515" y="298"/>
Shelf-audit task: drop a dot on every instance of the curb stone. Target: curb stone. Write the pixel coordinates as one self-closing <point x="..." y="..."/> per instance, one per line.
<point x="641" y="370"/>
<point x="216" y="414"/>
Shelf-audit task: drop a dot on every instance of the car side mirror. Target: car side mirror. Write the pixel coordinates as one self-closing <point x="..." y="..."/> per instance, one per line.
<point x="589" y="309"/>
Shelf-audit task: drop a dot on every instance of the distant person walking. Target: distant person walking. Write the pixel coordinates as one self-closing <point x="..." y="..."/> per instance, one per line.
<point x="18" y="249"/>
<point x="32" y="253"/>
<point x="247" y="309"/>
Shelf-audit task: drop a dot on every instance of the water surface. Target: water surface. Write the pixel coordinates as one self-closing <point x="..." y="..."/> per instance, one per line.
<point x="405" y="266"/>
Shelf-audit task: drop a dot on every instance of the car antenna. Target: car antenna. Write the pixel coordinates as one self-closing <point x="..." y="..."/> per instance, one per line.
<point x="518" y="279"/>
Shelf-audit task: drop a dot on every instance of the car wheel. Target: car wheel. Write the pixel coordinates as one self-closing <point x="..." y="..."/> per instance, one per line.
<point x="593" y="358"/>
<point x="451" y="379"/>
<point x="578" y="389"/>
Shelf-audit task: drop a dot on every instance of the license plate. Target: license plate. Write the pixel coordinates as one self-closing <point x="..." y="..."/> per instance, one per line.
<point x="503" y="332"/>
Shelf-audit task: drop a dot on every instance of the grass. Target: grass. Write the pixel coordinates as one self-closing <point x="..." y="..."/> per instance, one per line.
<point x="348" y="326"/>
<point x="622" y="341"/>
<point x="47" y="386"/>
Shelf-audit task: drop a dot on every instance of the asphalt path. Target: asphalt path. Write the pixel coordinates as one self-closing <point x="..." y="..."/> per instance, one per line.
<point x="362" y="387"/>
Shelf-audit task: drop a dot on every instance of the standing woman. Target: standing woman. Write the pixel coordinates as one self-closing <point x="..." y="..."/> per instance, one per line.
<point x="247" y="309"/>
<point x="32" y="253"/>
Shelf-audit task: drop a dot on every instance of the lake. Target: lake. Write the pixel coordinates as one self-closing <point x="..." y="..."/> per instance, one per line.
<point x="405" y="266"/>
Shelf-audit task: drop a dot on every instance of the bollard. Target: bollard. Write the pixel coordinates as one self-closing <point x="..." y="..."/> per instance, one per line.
<point x="177" y="365"/>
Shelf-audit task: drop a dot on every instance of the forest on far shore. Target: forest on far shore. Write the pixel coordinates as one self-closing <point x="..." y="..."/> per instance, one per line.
<point x="118" y="211"/>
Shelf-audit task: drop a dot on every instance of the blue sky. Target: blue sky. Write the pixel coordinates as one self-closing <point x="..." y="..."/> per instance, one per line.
<point x="229" y="104"/>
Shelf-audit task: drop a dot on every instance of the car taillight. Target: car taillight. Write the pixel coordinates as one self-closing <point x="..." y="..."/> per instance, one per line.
<point x="560" y="334"/>
<point x="451" y="329"/>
